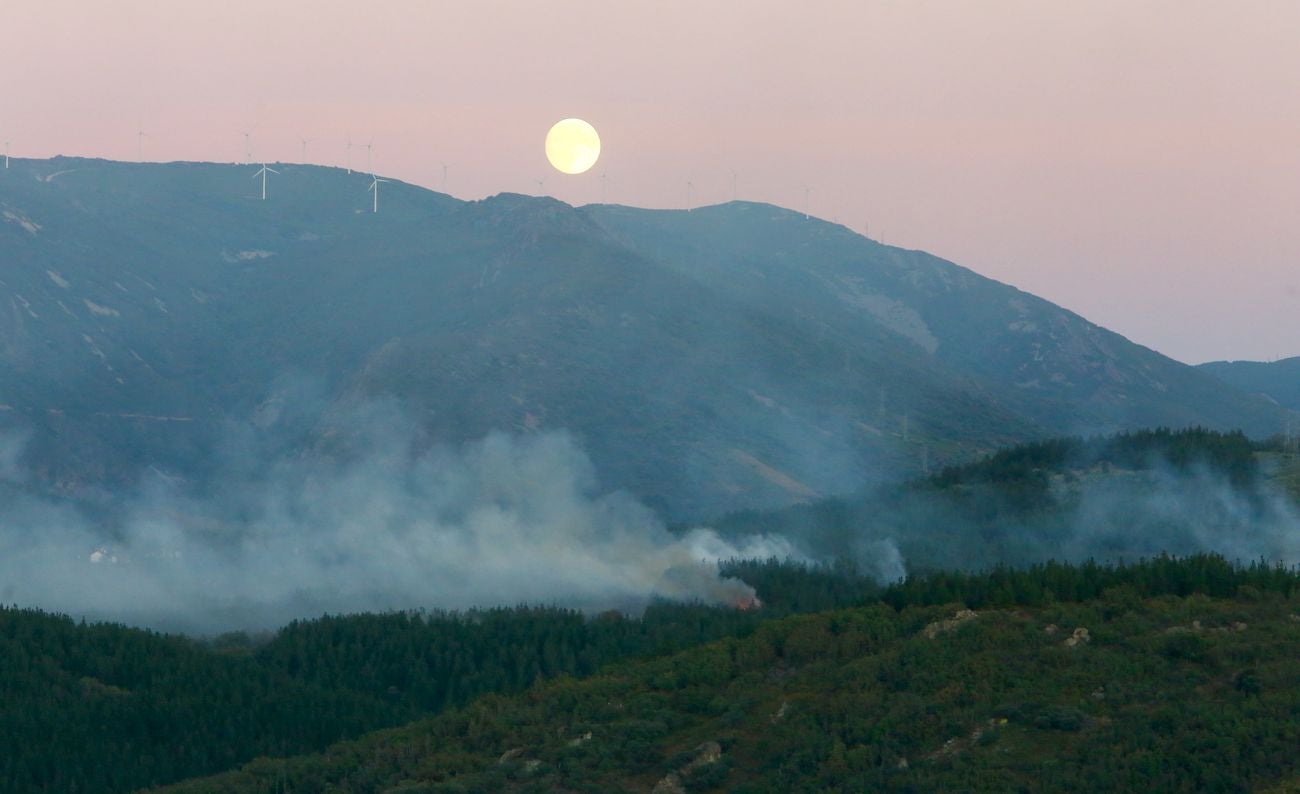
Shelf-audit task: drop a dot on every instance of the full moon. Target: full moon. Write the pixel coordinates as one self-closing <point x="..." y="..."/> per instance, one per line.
<point x="572" y="146"/>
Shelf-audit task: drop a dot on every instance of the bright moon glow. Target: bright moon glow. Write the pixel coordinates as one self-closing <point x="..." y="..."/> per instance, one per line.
<point x="572" y="146"/>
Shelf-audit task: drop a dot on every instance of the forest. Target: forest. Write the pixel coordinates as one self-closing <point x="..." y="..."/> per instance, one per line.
<point x="103" y="707"/>
<point x="1176" y="675"/>
<point x="109" y="708"/>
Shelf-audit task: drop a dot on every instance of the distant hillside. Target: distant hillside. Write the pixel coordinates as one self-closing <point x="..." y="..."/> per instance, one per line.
<point x="1277" y="380"/>
<point x="153" y="318"/>
<point x="1170" y="676"/>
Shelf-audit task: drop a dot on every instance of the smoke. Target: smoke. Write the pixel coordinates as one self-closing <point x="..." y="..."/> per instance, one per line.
<point x="1113" y="516"/>
<point x="1109" y="513"/>
<point x="880" y="559"/>
<point x="1166" y="510"/>
<point x="11" y="450"/>
<point x="503" y="521"/>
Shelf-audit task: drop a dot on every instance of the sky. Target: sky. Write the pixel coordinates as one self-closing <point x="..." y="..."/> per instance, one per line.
<point x="1137" y="162"/>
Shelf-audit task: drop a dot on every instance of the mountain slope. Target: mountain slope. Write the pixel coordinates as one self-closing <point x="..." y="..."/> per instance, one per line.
<point x="1116" y="692"/>
<point x="152" y="316"/>
<point x="1277" y="380"/>
<point x="1051" y="364"/>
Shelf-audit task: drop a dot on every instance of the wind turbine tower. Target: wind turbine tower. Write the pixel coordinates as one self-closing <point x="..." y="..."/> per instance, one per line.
<point x="139" y="145"/>
<point x="262" y="173"/>
<point x="349" y="154"/>
<point x="248" y="150"/>
<point x="305" y="141"/>
<point x="374" y="186"/>
<point x="690" y="194"/>
<point x="369" y="167"/>
<point x="6" y="155"/>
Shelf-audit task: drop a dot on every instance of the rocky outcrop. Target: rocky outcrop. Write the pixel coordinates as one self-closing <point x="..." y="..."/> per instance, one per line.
<point x="672" y="783"/>
<point x="938" y="627"/>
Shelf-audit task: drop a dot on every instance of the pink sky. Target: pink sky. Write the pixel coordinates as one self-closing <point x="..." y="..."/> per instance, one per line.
<point x="1135" y="161"/>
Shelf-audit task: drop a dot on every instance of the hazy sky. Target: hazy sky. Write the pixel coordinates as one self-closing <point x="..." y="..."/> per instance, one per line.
<point x="1137" y="162"/>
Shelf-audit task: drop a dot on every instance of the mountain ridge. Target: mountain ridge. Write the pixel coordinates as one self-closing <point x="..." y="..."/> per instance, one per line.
<point x="147" y="308"/>
<point x="1278" y="380"/>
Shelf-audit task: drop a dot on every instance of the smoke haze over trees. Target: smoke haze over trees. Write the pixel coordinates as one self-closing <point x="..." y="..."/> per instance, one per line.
<point x="382" y="525"/>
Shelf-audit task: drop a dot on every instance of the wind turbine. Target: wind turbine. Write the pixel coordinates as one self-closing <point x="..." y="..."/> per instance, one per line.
<point x="6" y="155"/>
<point x="733" y="184"/>
<point x="139" y="144"/>
<point x="248" y="150"/>
<point x="349" y="154"/>
<point x="305" y="141"/>
<point x="369" y="167"/>
<point x="262" y="173"/>
<point x="690" y="190"/>
<point x="541" y="186"/>
<point x="806" y="192"/>
<point x="444" y="177"/>
<point x="374" y="185"/>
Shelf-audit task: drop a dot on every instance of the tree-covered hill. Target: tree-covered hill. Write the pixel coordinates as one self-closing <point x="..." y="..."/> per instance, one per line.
<point x="91" y="708"/>
<point x="1172" y="675"/>
<point x="107" y="708"/>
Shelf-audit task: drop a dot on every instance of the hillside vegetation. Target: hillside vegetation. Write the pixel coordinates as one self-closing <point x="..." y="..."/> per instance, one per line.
<point x="1172" y="675"/>
<point x="107" y="708"/>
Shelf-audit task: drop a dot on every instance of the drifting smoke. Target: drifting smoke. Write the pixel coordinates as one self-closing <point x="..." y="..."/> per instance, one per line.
<point x="1172" y="511"/>
<point x="503" y="521"/>
<point x="1111" y="517"/>
<point x="880" y="559"/>
<point x="11" y="450"/>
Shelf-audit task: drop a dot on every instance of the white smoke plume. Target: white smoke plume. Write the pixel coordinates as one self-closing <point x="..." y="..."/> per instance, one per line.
<point x="1168" y="511"/>
<point x="504" y="521"/>
<point x="880" y="559"/>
